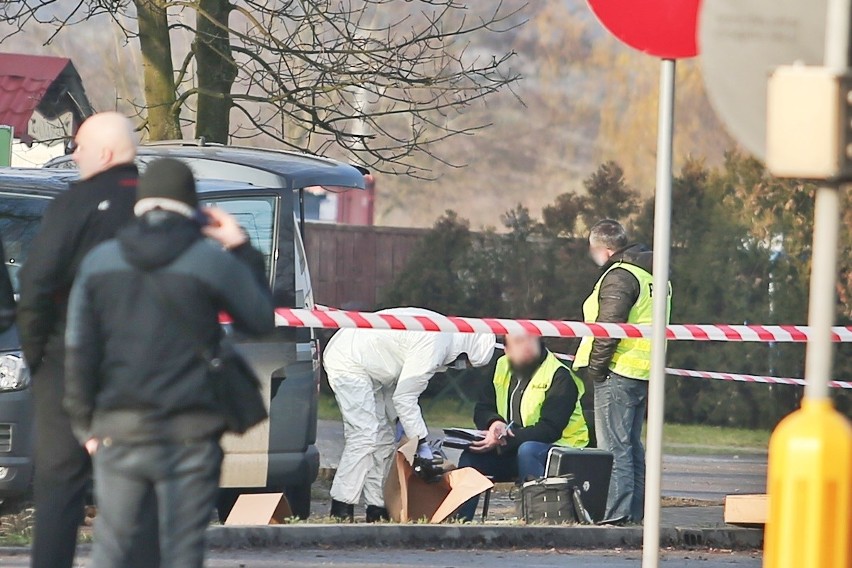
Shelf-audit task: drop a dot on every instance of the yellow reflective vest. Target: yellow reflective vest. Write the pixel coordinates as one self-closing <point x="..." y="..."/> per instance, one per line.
<point x="576" y="433"/>
<point x="632" y="357"/>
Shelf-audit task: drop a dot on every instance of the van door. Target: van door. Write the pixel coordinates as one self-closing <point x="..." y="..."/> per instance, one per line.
<point x="247" y="457"/>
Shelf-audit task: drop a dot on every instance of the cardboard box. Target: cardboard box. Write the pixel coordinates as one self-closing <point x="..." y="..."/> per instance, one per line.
<point x="746" y="510"/>
<point x="260" y="509"/>
<point x="409" y="498"/>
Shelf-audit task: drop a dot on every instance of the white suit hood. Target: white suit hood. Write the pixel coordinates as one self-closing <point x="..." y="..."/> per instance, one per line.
<point x="479" y="347"/>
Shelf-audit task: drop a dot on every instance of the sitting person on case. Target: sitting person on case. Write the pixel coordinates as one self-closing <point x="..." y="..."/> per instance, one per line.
<point x="532" y="405"/>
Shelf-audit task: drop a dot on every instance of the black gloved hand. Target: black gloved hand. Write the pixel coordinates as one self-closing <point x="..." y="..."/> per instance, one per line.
<point x="429" y="470"/>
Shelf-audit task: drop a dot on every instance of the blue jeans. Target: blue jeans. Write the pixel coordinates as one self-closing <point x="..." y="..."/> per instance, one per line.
<point x="527" y="463"/>
<point x="185" y="479"/>
<point x="620" y="405"/>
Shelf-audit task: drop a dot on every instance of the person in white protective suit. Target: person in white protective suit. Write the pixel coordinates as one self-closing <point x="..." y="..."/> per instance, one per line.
<point x="377" y="376"/>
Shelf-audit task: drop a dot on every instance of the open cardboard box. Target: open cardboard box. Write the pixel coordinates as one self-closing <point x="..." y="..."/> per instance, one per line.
<point x="259" y="509"/>
<point x="409" y="498"/>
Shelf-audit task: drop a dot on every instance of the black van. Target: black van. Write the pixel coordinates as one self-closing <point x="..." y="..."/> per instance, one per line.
<point x="262" y="189"/>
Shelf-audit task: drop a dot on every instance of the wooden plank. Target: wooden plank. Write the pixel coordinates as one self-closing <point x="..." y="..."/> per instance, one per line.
<point x="384" y="259"/>
<point x="353" y="264"/>
<point x="746" y="510"/>
<point x="320" y="263"/>
<point x="368" y="266"/>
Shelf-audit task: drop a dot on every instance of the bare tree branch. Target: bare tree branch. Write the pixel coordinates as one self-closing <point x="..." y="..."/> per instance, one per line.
<point x="380" y="82"/>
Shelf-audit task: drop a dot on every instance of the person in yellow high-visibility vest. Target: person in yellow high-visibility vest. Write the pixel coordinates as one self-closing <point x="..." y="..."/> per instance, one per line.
<point x="532" y="404"/>
<point x="620" y="368"/>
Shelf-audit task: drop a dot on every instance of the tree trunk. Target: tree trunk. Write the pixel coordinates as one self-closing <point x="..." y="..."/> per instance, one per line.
<point x="215" y="70"/>
<point x="156" y="47"/>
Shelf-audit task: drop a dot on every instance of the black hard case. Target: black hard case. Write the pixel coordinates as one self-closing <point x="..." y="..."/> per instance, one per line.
<point x="591" y="469"/>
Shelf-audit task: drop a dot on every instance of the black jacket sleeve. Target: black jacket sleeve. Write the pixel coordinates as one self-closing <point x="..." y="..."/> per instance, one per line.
<point x="556" y="411"/>
<point x="618" y="293"/>
<point x="254" y="259"/>
<point x="44" y="277"/>
<point x="7" y="295"/>
<point x="245" y="293"/>
<point x="485" y="411"/>
<point x="84" y="354"/>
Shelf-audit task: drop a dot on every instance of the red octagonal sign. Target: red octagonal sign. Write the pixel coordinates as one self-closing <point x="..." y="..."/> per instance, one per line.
<point x="664" y="28"/>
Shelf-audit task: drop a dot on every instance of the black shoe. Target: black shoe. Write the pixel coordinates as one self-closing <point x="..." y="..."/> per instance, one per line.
<point x="343" y="512"/>
<point x="377" y="514"/>
<point x="616" y="521"/>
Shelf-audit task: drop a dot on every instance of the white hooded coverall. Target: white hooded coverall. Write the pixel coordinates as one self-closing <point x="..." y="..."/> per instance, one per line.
<point x="377" y="376"/>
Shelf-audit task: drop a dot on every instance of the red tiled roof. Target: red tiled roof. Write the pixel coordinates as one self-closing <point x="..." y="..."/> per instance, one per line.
<point x="24" y="79"/>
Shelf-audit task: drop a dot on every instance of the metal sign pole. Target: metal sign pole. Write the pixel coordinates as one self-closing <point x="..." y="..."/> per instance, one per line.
<point x="810" y="451"/>
<point x="820" y="350"/>
<point x="662" y="250"/>
<point x="821" y="304"/>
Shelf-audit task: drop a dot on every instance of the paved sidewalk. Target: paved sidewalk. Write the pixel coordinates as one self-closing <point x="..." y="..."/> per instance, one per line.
<point x="502" y="510"/>
<point x="477" y="536"/>
<point x="689" y="520"/>
<point x="700" y="480"/>
<point x="702" y="477"/>
<point x="371" y="558"/>
<point x="693" y="517"/>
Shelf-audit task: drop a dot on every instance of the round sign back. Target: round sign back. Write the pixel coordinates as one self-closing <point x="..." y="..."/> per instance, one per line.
<point x="664" y="28"/>
<point x="741" y="42"/>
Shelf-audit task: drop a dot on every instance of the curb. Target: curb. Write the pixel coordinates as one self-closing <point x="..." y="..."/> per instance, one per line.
<point x="472" y="536"/>
<point x="23" y="550"/>
<point x="463" y="537"/>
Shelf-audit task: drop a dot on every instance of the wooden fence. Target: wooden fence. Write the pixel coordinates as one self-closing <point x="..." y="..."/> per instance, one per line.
<point x="351" y="265"/>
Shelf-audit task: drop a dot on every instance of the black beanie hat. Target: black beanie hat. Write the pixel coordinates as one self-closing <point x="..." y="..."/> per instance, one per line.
<point x="167" y="178"/>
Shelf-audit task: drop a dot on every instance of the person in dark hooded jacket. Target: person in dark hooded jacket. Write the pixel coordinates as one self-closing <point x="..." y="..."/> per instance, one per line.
<point x="620" y="368"/>
<point x="137" y="385"/>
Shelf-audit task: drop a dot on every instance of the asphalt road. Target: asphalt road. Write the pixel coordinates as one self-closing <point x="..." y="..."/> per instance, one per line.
<point x="713" y="477"/>
<point x="708" y="477"/>
<point x="705" y="477"/>
<point x="372" y="558"/>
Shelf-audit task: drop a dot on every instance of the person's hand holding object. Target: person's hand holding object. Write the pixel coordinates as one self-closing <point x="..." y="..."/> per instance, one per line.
<point x="224" y="228"/>
<point x="494" y="438"/>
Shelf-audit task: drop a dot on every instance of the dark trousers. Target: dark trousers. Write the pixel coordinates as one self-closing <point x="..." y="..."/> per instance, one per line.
<point x="62" y="471"/>
<point x="527" y="463"/>
<point x="185" y="479"/>
<point x="62" y="474"/>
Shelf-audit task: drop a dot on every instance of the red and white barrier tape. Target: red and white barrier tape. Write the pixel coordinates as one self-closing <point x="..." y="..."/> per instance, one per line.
<point x="333" y="318"/>
<point x="750" y="378"/>
<point x="328" y="318"/>
<point x="737" y="377"/>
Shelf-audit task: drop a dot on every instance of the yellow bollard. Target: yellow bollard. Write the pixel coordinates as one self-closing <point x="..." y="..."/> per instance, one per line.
<point x="810" y="490"/>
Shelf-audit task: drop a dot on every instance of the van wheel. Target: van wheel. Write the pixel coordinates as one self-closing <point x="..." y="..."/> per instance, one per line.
<point x="299" y="497"/>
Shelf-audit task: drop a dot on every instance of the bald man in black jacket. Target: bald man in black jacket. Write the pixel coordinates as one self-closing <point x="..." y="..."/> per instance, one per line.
<point x="90" y="212"/>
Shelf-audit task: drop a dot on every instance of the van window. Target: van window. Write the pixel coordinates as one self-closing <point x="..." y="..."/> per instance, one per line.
<point x="20" y="216"/>
<point x="304" y="292"/>
<point x="257" y="216"/>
